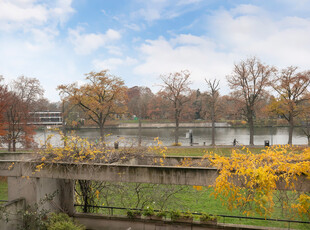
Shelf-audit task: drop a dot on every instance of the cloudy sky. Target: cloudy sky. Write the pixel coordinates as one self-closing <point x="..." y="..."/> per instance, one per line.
<point x="58" y="41"/>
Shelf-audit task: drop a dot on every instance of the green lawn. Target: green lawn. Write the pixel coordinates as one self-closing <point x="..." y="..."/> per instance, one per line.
<point x="134" y="195"/>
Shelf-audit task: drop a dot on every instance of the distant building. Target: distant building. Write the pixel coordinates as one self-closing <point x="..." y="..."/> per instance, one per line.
<point x="46" y="118"/>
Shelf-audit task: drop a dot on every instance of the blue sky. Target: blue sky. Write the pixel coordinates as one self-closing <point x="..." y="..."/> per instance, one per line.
<point x="58" y="41"/>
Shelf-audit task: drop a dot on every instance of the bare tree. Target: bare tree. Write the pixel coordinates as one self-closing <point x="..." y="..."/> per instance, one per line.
<point x="292" y="89"/>
<point x="176" y="90"/>
<point x="248" y="80"/>
<point x="213" y="95"/>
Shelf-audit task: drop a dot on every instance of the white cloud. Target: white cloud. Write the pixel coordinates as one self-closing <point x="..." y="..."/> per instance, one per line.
<point x="24" y="14"/>
<point x="113" y="63"/>
<point x="232" y="35"/>
<point x="87" y="43"/>
<point x="252" y="31"/>
<point x="22" y="11"/>
<point x="196" y="54"/>
<point x="62" y="10"/>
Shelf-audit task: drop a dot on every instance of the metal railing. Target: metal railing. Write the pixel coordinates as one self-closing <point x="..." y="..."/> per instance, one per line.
<point x="111" y="208"/>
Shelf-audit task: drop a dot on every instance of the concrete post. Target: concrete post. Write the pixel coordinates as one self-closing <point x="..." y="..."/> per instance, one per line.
<point x="33" y="190"/>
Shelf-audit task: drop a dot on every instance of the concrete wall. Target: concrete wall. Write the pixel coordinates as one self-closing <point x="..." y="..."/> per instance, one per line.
<point x="99" y="222"/>
<point x="11" y="218"/>
<point x="35" y="191"/>
<point x="172" y="125"/>
<point x="128" y="173"/>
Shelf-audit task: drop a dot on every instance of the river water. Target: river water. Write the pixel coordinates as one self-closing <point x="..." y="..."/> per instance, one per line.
<point x="224" y="136"/>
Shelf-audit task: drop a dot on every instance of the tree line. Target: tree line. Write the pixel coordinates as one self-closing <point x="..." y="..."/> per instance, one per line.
<point x="260" y="94"/>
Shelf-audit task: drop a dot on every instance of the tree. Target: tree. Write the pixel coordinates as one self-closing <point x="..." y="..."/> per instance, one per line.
<point x="292" y="89"/>
<point x="139" y="101"/>
<point x="213" y="95"/>
<point x="103" y="97"/>
<point x="159" y="107"/>
<point x="176" y="90"/>
<point x="21" y="100"/>
<point x="3" y="105"/>
<point x="249" y="80"/>
<point x="197" y="104"/>
<point x="249" y="181"/>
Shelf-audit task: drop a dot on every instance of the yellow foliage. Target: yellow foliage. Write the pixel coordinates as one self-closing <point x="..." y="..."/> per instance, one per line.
<point x="249" y="181"/>
<point x="198" y="188"/>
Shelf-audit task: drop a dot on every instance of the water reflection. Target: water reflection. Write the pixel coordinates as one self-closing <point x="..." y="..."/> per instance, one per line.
<point x="224" y="136"/>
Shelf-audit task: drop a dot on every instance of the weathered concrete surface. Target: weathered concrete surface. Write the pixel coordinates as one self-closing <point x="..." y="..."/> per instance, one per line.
<point x="12" y="214"/>
<point x="116" y="173"/>
<point x="34" y="191"/>
<point x="98" y="222"/>
<point x="128" y="173"/>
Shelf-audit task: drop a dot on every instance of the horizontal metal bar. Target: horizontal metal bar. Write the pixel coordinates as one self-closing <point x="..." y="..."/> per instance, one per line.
<point x="198" y="213"/>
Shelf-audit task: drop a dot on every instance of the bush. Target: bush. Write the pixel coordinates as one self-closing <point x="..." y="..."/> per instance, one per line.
<point x="133" y="213"/>
<point x="161" y="213"/>
<point x="174" y="214"/>
<point x="148" y="212"/>
<point x="62" y="221"/>
<point x="205" y="217"/>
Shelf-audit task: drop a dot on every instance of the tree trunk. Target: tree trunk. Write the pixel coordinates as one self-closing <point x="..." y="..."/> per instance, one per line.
<point x="213" y="133"/>
<point x="308" y="140"/>
<point x="101" y="127"/>
<point x="176" y="130"/>
<point x="251" y="126"/>
<point x="14" y="145"/>
<point x="290" y="131"/>
<point x="9" y="146"/>
<point x="213" y="127"/>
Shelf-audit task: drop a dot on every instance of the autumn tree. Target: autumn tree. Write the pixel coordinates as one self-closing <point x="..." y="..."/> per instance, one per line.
<point x="139" y="101"/>
<point x="101" y="98"/>
<point x="176" y="89"/>
<point x="213" y="101"/>
<point x="21" y="98"/>
<point x="249" y="80"/>
<point x="3" y="105"/>
<point x="159" y="107"/>
<point x="292" y="88"/>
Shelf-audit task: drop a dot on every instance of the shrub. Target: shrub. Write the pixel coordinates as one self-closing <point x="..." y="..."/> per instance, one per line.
<point x="175" y="214"/>
<point x="133" y="213"/>
<point x="205" y="217"/>
<point x="148" y="212"/>
<point x="161" y="213"/>
<point x="62" y="221"/>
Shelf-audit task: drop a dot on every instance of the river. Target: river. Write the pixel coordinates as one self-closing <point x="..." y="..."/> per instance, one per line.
<point x="201" y="136"/>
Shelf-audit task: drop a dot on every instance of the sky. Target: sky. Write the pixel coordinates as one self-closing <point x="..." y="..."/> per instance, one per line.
<point x="58" y="41"/>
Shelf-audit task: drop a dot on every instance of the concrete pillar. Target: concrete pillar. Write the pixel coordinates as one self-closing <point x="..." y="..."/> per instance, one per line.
<point x="35" y="190"/>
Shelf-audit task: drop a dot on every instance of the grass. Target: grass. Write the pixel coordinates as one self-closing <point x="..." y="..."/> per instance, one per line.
<point x="187" y="199"/>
